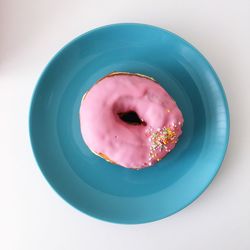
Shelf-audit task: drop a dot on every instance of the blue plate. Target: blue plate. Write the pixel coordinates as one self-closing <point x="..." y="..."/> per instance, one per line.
<point x="106" y="191"/>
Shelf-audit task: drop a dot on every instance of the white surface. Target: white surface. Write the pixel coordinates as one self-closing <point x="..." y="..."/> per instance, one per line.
<point x="32" y="215"/>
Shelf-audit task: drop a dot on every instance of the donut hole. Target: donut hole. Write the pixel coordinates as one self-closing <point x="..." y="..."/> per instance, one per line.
<point x="132" y="118"/>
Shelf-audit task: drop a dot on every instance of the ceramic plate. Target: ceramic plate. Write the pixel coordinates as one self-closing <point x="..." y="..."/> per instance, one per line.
<point x="110" y="192"/>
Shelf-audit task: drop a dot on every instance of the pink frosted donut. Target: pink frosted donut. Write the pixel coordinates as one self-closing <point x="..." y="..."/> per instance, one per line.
<point x="130" y="120"/>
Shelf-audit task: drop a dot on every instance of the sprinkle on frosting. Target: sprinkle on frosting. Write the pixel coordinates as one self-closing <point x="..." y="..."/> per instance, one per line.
<point x="160" y="140"/>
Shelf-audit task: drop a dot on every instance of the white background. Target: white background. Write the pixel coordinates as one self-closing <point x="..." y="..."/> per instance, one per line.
<point x="32" y="215"/>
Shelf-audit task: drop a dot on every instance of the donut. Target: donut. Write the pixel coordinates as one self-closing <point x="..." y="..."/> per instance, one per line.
<point x="130" y="120"/>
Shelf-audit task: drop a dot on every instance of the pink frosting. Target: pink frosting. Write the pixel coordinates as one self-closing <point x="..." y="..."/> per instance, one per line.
<point x="129" y="145"/>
